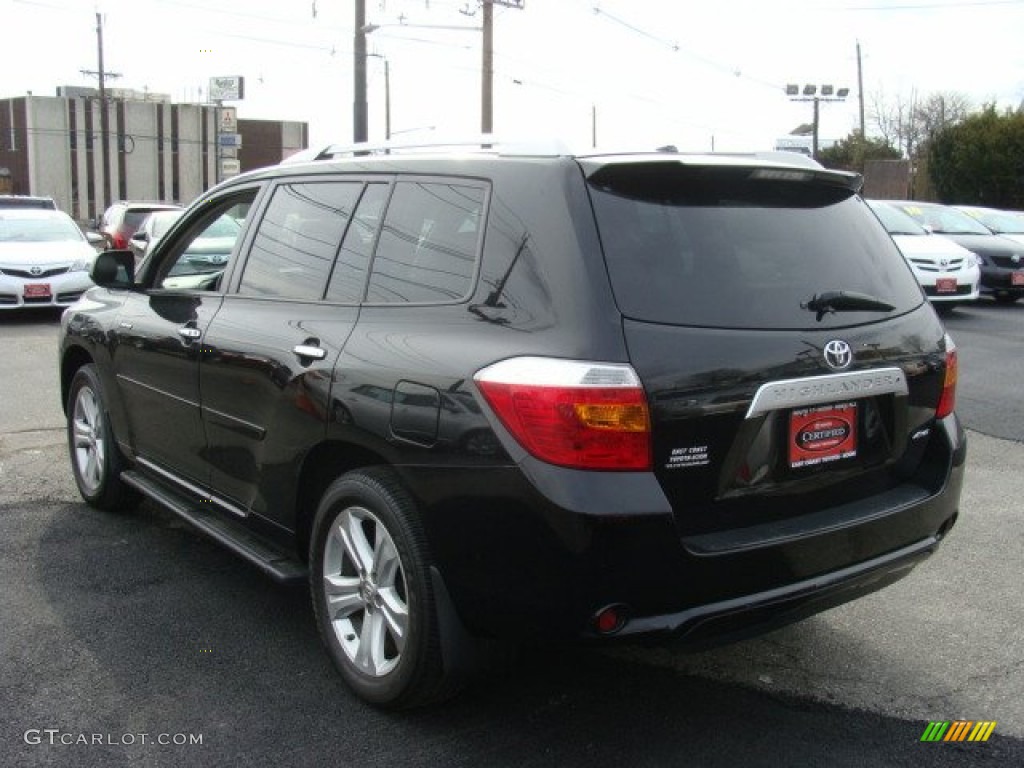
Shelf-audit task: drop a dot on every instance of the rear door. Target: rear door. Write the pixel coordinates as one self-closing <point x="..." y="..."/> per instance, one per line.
<point x="768" y="399"/>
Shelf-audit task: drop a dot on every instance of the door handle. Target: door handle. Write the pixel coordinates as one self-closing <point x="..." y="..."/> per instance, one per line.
<point x="309" y="352"/>
<point x="189" y="333"/>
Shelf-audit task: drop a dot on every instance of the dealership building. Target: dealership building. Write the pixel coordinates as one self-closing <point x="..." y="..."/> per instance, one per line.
<point x="152" y="149"/>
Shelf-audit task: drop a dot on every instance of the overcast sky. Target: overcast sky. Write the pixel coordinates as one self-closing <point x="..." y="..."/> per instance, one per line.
<point x="694" y="74"/>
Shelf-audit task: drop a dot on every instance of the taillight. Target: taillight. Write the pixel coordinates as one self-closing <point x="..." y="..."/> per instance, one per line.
<point x="572" y="413"/>
<point x="120" y="241"/>
<point x="947" y="401"/>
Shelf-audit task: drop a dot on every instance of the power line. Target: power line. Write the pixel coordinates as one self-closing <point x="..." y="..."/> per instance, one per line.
<point x="676" y="48"/>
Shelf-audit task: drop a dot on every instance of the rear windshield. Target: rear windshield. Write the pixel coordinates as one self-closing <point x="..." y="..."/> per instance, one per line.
<point x="738" y="248"/>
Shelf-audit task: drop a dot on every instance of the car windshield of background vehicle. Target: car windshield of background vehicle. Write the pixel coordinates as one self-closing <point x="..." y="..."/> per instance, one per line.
<point x="48" y="230"/>
<point x="946" y="221"/>
<point x="161" y="222"/>
<point x="896" y="222"/>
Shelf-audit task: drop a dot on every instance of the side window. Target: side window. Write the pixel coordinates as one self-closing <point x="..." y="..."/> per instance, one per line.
<point x="197" y="259"/>
<point x="349" y="277"/>
<point x="428" y="246"/>
<point x="298" y="237"/>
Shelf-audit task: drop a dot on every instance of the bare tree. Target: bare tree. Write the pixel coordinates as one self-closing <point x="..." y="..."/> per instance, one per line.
<point x="907" y="122"/>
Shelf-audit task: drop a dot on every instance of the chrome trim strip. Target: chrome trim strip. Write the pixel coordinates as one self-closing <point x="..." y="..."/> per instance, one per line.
<point x="815" y="390"/>
<point x="137" y="383"/>
<point x="233" y="423"/>
<point x="193" y="488"/>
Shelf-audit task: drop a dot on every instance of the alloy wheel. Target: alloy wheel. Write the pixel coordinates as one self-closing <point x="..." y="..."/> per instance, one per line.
<point x="88" y="442"/>
<point x="365" y="593"/>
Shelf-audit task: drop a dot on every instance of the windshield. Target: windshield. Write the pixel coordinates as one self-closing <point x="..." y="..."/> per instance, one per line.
<point x="720" y="248"/>
<point x="163" y="220"/>
<point x="896" y="222"/>
<point x="998" y="222"/>
<point x="945" y="221"/>
<point x="225" y="226"/>
<point x="54" y="229"/>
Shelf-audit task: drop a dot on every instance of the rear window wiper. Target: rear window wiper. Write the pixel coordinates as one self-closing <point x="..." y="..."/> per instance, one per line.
<point x="845" y="301"/>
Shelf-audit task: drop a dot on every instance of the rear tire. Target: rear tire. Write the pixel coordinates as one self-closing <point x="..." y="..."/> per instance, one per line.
<point x="372" y="591"/>
<point x="96" y="461"/>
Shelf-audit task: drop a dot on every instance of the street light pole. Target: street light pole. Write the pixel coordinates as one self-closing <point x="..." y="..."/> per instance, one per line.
<point x="810" y="93"/>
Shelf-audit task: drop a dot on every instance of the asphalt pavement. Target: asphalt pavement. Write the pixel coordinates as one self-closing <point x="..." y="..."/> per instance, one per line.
<point x="123" y="631"/>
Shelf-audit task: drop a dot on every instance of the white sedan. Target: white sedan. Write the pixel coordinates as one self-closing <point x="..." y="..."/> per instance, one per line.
<point x="44" y="259"/>
<point x="948" y="272"/>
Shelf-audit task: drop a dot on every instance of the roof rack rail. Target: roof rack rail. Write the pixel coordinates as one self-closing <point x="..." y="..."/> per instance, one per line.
<point x="528" y="147"/>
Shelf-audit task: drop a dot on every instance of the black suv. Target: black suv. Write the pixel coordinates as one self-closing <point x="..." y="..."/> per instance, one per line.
<point x="519" y="394"/>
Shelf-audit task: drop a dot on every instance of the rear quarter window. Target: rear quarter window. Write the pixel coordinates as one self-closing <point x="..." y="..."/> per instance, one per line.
<point x="723" y="248"/>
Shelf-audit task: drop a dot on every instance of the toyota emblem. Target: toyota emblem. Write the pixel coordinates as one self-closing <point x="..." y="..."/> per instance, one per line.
<point x="943" y="263"/>
<point x="838" y="355"/>
<point x="35" y="271"/>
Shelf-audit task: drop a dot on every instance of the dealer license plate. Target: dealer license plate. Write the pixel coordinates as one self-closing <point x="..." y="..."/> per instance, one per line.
<point x="37" y="291"/>
<point x="1017" y="278"/>
<point x="822" y="434"/>
<point x="945" y="285"/>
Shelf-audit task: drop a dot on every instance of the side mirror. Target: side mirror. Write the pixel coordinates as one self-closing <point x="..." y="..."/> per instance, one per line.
<point x="114" y="269"/>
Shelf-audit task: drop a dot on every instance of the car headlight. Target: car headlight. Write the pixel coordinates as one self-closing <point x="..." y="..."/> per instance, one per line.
<point x="978" y="260"/>
<point x="83" y="264"/>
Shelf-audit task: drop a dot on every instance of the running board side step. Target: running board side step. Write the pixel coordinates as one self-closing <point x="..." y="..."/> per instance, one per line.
<point x="228" y="533"/>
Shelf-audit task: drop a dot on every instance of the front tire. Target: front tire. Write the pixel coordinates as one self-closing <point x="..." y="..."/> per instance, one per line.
<point x="372" y="591"/>
<point x="96" y="461"/>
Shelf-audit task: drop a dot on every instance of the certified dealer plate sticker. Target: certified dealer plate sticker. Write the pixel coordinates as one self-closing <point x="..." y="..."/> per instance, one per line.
<point x="37" y="291"/>
<point x="822" y="434"/>
<point x="945" y="285"/>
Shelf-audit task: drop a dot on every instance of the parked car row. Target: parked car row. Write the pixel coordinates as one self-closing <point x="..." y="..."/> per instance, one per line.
<point x="956" y="252"/>
<point x="1000" y="255"/>
<point x="949" y="273"/>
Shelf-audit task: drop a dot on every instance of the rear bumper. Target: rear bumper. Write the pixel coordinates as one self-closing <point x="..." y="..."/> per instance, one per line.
<point x="535" y="552"/>
<point x="735" y="619"/>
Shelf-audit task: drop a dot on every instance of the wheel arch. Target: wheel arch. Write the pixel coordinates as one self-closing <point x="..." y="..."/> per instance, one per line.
<point x="74" y="358"/>
<point x="323" y="465"/>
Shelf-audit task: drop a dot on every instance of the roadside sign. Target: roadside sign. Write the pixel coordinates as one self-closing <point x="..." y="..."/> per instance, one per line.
<point x="228" y="120"/>
<point x="229" y="167"/>
<point x="227" y="88"/>
<point x="230" y="139"/>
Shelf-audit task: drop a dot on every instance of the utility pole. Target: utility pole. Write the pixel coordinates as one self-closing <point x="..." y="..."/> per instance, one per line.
<point x="359" y="110"/>
<point x="860" y="93"/>
<point x="487" y="78"/>
<point x="487" y="68"/>
<point x="102" y="75"/>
